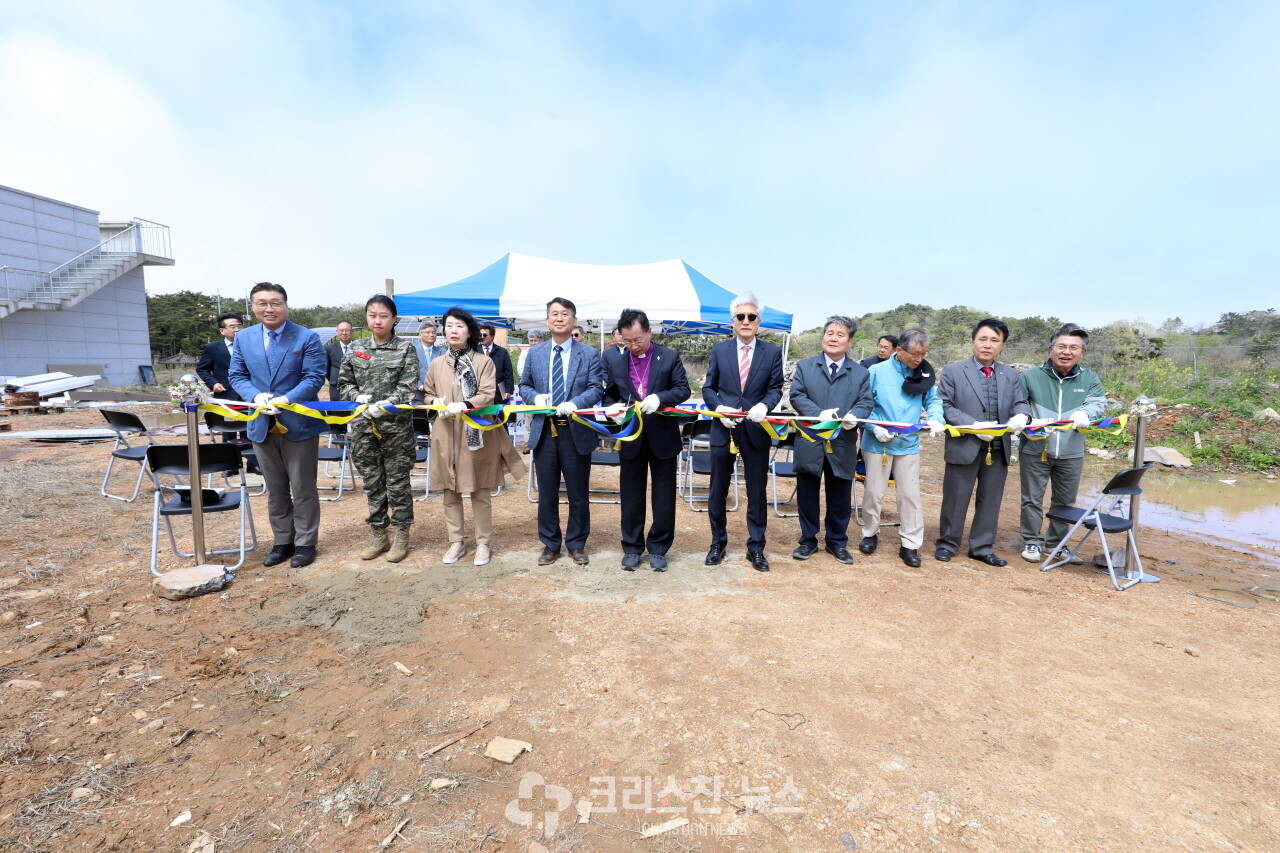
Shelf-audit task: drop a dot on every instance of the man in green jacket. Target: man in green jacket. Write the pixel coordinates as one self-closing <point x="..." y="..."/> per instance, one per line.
<point x="1060" y="389"/>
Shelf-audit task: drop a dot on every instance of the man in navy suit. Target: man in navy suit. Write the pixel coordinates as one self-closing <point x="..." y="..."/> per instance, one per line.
<point x="335" y="351"/>
<point x="280" y="362"/>
<point x="652" y="376"/>
<point x="744" y="375"/>
<point x="568" y="375"/>
<point x="501" y="357"/>
<point x="215" y="358"/>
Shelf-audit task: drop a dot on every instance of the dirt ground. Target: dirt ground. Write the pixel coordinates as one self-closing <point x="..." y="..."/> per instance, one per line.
<point x="818" y="707"/>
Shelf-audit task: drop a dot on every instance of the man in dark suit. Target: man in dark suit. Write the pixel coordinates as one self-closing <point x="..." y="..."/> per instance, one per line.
<point x="652" y="376"/>
<point x="831" y="386"/>
<point x="744" y="375"/>
<point x="978" y="391"/>
<point x="215" y="358"/>
<point x="335" y="351"/>
<point x="884" y="348"/>
<point x="280" y="362"/>
<point x="503" y="371"/>
<point x="568" y="375"/>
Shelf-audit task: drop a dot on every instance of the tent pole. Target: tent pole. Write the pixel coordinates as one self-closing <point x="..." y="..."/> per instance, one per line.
<point x="786" y="349"/>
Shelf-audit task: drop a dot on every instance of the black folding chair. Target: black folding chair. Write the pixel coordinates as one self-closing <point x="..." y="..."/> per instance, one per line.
<point x="783" y="469"/>
<point x="126" y="425"/>
<point x="422" y="451"/>
<point x="337" y="449"/>
<point x="695" y="460"/>
<point x="174" y="460"/>
<point x="1123" y="485"/>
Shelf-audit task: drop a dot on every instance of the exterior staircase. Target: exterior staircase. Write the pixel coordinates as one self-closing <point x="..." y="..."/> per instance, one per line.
<point x="129" y="245"/>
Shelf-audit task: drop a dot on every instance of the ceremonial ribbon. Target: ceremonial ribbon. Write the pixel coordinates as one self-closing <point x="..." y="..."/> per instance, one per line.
<point x="777" y="427"/>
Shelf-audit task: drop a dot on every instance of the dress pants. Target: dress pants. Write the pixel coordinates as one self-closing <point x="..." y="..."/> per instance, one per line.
<point x="633" y="477"/>
<point x="755" y="469"/>
<point x="1034" y="474"/>
<point x="293" y="504"/>
<point x="905" y="473"/>
<point x="481" y="511"/>
<point x="957" y="485"/>
<point x="554" y="457"/>
<point x="839" y="507"/>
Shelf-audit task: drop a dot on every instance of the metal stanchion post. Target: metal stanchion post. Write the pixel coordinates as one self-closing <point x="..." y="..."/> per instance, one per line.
<point x="191" y="405"/>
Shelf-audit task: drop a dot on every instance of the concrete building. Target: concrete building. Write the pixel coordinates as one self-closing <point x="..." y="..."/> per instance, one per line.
<point x="72" y="289"/>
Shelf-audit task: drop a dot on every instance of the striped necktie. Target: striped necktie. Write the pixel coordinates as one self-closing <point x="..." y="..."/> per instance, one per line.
<point x="557" y="377"/>
<point x="744" y="367"/>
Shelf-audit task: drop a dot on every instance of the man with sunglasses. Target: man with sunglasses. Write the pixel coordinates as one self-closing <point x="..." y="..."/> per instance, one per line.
<point x="1057" y="390"/>
<point x="744" y="375"/>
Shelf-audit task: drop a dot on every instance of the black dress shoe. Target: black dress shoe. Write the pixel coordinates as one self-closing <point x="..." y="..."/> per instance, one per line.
<point x="548" y="556"/>
<point x="279" y="553"/>
<point x="841" y="554"/>
<point x="804" y="552"/>
<point x="303" y="555"/>
<point x="715" y="555"/>
<point x="658" y="562"/>
<point x="630" y="561"/>
<point x="989" y="559"/>
<point x="579" y="556"/>
<point x="910" y="556"/>
<point x="758" y="562"/>
<point x="868" y="544"/>
<point x="942" y="555"/>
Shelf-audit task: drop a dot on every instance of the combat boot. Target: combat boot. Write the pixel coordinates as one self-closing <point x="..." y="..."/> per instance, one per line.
<point x="377" y="543"/>
<point x="399" y="546"/>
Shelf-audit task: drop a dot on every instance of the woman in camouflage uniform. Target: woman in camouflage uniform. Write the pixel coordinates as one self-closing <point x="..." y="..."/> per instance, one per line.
<point x="380" y="370"/>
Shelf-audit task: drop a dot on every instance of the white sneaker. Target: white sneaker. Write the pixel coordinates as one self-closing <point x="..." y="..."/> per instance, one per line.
<point x="455" y="552"/>
<point x="1074" y="559"/>
<point x="1031" y="553"/>
<point x="482" y="555"/>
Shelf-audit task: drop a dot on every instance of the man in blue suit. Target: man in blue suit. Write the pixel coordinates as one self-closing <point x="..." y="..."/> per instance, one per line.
<point x="652" y="376"/>
<point x="280" y="362"/>
<point x="568" y="375"/>
<point x="744" y="375"/>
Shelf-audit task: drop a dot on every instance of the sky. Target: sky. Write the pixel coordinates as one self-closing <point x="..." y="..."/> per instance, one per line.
<point x="1094" y="161"/>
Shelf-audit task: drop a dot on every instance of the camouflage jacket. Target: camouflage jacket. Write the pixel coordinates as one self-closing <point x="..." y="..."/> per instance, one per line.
<point x="384" y="371"/>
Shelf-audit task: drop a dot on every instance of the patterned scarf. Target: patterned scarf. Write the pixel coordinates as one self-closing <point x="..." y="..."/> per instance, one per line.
<point x="466" y="373"/>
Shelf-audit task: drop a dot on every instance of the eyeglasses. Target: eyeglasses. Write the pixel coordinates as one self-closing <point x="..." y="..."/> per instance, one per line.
<point x="750" y="318"/>
<point x="1067" y="348"/>
<point x="265" y="305"/>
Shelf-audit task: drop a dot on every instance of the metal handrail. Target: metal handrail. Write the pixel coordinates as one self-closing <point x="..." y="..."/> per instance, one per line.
<point x="140" y="237"/>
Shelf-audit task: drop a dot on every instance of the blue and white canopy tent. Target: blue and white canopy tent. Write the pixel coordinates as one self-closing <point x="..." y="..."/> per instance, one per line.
<point x="513" y="292"/>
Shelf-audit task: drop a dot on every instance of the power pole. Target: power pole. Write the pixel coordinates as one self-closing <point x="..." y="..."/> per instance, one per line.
<point x="391" y="288"/>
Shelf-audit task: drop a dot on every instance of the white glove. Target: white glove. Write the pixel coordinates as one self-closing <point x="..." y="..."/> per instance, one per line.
<point x="650" y="404"/>
<point x="849" y="421"/>
<point x="454" y="409"/>
<point x="364" y="398"/>
<point x="935" y="429"/>
<point x="566" y="408"/>
<point x="1080" y="419"/>
<point x="882" y="435"/>
<point x="375" y="410"/>
<point x="542" y="400"/>
<point x="262" y="399"/>
<point x="986" y="438"/>
<point x="829" y="415"/>
<point x="614" y="412"/>
<point x="757" y="413"/>
<point x="437" y="401"/>
<point x="729" y="423"/>
<point x="1018" y="423"/>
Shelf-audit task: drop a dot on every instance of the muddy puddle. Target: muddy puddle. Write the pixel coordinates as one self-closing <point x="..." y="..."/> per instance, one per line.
<point x="1241" y="512"/>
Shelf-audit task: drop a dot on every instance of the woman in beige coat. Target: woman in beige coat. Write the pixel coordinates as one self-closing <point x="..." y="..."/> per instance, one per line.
<point x="464" y="459"/>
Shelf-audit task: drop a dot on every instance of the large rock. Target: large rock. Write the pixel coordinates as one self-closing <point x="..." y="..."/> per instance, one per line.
<point x="1267" y="414"/>
<point x="189" y="582"/>
<point x="1165" y="456"/>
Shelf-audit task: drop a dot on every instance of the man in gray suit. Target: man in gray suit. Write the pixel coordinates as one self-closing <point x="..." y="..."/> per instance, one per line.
<point x="569" y="376"/>
<point x="831" y="386"/>
<point x="978" y="391"/>
<point x="428" y="351"/>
